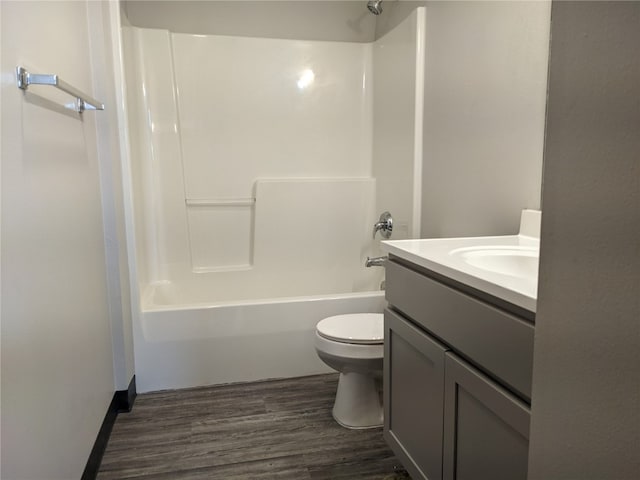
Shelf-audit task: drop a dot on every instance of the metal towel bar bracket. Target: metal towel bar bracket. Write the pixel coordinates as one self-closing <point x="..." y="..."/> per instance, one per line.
<point x="83" y="101"/>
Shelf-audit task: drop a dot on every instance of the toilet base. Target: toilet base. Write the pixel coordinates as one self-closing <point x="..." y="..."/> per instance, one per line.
<point x="358" y="404"/>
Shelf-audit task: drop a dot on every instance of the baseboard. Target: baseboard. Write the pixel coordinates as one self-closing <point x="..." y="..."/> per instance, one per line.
<point x="125" y="398"/>
<point x="121" y="402"/>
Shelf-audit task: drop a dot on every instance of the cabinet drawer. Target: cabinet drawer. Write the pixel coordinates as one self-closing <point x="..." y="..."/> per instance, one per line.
<point x="498" y="342"/>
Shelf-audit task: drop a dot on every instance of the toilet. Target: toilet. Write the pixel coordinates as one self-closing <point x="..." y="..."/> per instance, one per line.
<point x="353" y="345"/>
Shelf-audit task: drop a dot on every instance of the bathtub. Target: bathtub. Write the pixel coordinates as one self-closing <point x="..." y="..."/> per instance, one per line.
<point x="252" y="208"/>
<point x="187" y="345"/>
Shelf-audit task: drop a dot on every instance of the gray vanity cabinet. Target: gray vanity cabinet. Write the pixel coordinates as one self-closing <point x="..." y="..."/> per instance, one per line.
<point x="486" y="428"/>
<point x="414" y="396"/>
<point x="457" y="379"/>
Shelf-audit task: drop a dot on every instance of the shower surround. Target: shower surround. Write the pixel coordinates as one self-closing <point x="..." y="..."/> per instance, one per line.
<point x="258" y="168"/>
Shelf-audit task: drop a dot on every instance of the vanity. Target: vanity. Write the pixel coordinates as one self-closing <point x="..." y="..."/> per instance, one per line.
<point x="458" y="357"/>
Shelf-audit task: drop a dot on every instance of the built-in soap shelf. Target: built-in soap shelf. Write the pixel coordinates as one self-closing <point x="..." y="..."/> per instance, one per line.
<point x="220" y="202"/>
<point x="294" y="224"/>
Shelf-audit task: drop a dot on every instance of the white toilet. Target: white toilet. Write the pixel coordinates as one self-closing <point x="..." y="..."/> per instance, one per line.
<point x="353" y="345"/>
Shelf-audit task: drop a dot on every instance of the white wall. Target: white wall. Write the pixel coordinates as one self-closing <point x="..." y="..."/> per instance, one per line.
<point x="343" y="20"/>
<point x="398" y="88"/>
<point x="57" y="361"/>
<point x="486" y="76"/>
<point x="248" y="182"/>
<point x="112" y="189"/>
<point x="586" y="376"/>
<point x="248" y="113"/>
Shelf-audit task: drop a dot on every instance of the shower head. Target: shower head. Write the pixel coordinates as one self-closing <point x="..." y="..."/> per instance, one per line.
<point x="375" y="6"/>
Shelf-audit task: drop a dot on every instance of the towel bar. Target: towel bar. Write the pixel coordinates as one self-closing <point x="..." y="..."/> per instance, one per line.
<point x="83" y="101"/>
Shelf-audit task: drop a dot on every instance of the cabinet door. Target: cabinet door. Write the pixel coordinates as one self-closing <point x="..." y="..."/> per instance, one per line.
<point x="413" y="397"/>
<point x="486" y="428"/>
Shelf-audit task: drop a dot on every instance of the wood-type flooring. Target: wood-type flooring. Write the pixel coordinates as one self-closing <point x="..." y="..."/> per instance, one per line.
<point x="278" y="429"/>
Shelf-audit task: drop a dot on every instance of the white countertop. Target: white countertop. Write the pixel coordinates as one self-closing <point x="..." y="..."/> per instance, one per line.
<point x="435" y="255"/>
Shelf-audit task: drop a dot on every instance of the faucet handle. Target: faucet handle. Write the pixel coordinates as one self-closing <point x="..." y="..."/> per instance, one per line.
<point x="384" y="225"/>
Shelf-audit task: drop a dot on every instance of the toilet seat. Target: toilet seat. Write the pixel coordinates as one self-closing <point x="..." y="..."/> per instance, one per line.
<point x="354" y="328"/>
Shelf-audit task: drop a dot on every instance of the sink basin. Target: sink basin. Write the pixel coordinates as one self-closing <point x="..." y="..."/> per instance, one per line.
<point x="516" y="261"/>
<point x="504" y="266"/>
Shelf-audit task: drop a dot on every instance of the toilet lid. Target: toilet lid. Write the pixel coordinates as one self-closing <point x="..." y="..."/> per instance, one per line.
<point x="362" y="328"/>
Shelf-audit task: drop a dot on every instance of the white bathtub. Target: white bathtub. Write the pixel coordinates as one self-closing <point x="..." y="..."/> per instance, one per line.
<point x="180" y="346"/>
<point x="253" y="208"/>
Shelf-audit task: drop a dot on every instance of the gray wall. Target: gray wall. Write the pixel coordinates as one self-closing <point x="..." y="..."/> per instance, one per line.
<point x="348" y="21"/>
<point x="485" y="95"/>
<point x="586" y="383"/>
<point x="393" y="12"/>
<point x="486" y="72"/>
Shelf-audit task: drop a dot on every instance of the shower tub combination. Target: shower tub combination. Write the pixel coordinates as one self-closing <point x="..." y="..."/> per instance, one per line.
<point x="255" y="186"/>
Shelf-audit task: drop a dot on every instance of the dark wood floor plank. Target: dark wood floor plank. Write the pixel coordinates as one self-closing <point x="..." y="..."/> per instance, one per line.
<point x="285" y="468"/>
<point x="153" y="460"/>
<point x="261" y="430"/>
<point x="372" y="462"/>
<point x="194" y="403"/>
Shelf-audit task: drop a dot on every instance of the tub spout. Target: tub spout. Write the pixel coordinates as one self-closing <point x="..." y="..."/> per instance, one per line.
<point x="375" y="261"/>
